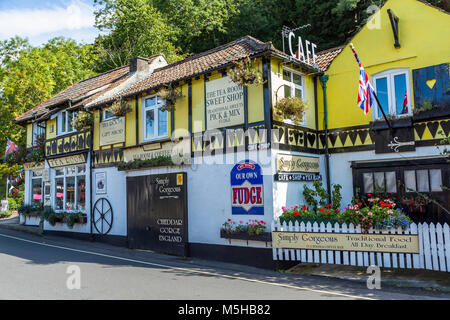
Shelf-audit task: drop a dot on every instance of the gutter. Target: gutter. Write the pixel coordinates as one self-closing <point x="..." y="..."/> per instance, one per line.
<point x="324" y="79"/>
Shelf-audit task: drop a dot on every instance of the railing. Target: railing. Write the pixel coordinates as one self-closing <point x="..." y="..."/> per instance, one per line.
<point x="433" y="241"/>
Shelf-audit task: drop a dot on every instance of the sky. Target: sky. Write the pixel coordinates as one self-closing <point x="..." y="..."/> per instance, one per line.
<point x="41" y="20"/>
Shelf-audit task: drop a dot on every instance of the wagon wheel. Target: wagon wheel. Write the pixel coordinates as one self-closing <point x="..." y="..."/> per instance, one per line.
<point x="102" y="216"/>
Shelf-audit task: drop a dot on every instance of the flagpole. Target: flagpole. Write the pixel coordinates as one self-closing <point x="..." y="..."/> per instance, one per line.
<point x="373" y="91"/>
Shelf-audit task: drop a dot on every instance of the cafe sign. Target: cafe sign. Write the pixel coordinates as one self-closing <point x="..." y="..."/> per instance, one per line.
<point x="394" y="243"/>
<point x="112" y="131"/>
<point x="28" y="166"/>
<point x="224" y="103"/>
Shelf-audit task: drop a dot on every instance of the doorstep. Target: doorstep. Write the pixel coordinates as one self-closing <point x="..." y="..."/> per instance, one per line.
<point x="405" y="278"/>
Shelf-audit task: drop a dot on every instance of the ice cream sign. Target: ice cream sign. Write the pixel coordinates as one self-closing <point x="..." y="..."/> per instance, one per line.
<point x="247" y="192"/>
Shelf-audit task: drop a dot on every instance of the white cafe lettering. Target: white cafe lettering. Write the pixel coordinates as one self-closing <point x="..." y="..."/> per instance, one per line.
<point x="310" y="51"/>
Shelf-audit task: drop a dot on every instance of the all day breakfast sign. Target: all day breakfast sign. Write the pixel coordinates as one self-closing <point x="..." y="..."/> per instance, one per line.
<point x="347" y="241"/>
<point x="224" y="103"/>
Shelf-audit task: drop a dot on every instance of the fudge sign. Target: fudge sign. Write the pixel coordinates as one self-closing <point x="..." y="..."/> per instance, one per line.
<point x="247" y="192"/>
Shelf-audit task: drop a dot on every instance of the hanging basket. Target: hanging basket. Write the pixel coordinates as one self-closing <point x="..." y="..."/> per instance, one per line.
<point x="120" y="108"/>
<point x="170" y="95"/>
<point x="83" y="121"/>
<point x="245" y="73"/>
<point x="292" y="108"/>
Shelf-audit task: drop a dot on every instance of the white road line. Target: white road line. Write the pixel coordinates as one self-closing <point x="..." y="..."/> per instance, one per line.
<point x="188" y="269"/>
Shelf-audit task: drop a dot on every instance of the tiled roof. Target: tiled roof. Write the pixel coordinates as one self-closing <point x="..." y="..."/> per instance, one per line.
<point x="205" y="62"/>
<point x="76" y="91"/>
<point x="325" y="57"/>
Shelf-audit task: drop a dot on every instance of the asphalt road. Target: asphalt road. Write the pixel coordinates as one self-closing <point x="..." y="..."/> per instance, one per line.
<point x="34" y="267"/>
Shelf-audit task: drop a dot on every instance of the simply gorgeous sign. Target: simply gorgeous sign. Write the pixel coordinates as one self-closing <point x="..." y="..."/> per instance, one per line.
<point x="224" y="103"/>
<point x="247" y="191"/>
<point x="347" y="241"/>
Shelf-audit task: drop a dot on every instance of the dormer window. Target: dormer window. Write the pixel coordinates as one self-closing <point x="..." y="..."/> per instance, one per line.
<point x="65" y="122"/>
<point x="38" y="131"/>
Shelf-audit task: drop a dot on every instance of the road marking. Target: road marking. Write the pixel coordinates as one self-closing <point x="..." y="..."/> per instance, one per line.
<point x="188" y="269"/>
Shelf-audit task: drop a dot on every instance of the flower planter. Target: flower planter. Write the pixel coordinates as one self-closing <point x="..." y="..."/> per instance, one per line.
<point x="434" y="113"/>
<point x="381" y="124"/>
<point x="265" y="236"/>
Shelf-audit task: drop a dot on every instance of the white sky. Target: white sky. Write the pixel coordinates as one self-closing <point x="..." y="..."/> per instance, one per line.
<point x="40" y="20"/>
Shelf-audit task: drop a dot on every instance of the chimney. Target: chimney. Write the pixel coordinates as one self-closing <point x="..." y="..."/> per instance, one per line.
<point x="138" y="64"/>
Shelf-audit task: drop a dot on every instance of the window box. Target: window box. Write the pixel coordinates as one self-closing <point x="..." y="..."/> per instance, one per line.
<point x="433" y="113"/>
<point x="265" y="236"/>
<point x="381" y="124"/>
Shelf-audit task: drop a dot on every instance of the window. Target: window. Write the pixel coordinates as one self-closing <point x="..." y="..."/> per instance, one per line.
<point x="154" y="119"/>
<point x="424" y="180"/>
<point x="70" y="188"/>
<point x="38" y="131"/>
<point x="65" y="122"/>
<point x="394" y="93"/>
<point x="294" y="85"/>
<point x="107" y="114"/>
<point x="36" y="187"/>
<point x="376" y="181"/>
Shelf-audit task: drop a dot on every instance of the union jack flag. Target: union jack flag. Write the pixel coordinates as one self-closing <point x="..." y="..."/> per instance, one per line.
<point x="365" y="89"/>
<point x="10" y="147"/>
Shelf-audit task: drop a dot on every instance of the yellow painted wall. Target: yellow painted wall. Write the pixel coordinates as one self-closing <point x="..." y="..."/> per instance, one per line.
<point x="423" y="36"/>
<point x="51" y="129"/>
<point x="198" y="105"/>
<point x="277" y="92"/>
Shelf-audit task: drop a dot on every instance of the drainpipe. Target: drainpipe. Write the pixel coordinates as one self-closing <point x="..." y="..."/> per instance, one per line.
<point x="324" y="79"/>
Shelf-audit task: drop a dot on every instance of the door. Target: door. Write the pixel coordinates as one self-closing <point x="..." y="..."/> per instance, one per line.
<point x="157" y="213"/>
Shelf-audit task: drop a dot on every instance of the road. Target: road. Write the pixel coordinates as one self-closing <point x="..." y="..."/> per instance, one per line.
<point x="36" y="267"/>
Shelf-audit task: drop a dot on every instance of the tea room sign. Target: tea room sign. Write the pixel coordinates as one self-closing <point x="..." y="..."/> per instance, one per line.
<point x="224" y="102"/>
<point x="112" y="131"/>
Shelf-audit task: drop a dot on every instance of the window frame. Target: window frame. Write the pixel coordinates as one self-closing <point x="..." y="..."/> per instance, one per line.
<point x="59" y="119"/>
<point x="292" y="85"/>
<point x="389" y="75"/>
<point x="156" y="108"/>
<point x="37" y="129"/>
<point x="64" y="176"/>
<point x="104" y="118"/>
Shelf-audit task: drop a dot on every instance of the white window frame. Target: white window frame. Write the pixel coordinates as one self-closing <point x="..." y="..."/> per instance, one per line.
<point x="64" y="176"/>
<point x="389" y="74"/>
<point x="59" y="122"/>
<point x="156" y="108"/>
<point x="291" y="84"/>
<point x="104" y="118"/>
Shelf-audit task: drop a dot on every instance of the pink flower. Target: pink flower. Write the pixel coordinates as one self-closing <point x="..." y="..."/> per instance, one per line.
<point x="284" y="209"/>
<point x="369" y="213"/>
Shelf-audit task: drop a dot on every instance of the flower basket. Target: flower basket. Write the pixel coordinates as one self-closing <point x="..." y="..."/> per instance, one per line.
<point x="83" y="121"/>
<point x="292" y="108"/>
<point x="265" y="236"/>
<point x="245" y="73"/>
<point x="170" y="95"/>
<point x="120" y="108"/>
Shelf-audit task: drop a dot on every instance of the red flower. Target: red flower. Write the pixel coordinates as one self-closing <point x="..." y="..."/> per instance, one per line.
<point x="304" y="208"/>
<point x="328" y="211"/>
<point x="296" y="213"/>
<point x="359" y="203"/>
<point x="337" y="210"/>
<point x="229" y="220"/>
<point x="411" y="202"/>
<point x="369" y="194"/>
<point x="330" y="204"/>
<point x="321" y="209"/>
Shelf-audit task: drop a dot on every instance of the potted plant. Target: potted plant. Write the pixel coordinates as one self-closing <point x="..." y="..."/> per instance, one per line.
<point x="292" y="108"/>
<point x="245" y="72"/>
<point x="120" y="107"/>
<point x="83" y="121"/>
<point x="251" y="230"/>
<point x="170" y="95"/>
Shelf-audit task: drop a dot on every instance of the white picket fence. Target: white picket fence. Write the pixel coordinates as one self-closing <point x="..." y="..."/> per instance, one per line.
<point x="434" y="244"/>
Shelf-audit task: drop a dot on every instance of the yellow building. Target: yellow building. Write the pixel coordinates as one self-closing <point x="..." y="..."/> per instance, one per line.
<point x="404" y="49"/>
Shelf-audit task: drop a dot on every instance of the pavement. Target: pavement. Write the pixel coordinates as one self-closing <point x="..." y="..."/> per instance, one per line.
<point x="139" y="274"/>
<point x="12" y="223"/>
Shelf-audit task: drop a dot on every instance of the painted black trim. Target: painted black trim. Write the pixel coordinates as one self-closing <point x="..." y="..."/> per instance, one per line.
<point x="137" y="118"/>
<point x="68" y="154"/>
<point x="398" y="163"/>
<point x="267" y="97"/>
<point x="190" y="107"/>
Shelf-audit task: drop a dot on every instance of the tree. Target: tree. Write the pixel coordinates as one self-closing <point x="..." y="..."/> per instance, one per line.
<point x="132" y="28"/>
<point x="199" y="25"/>
<point x="29" y="75"/>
